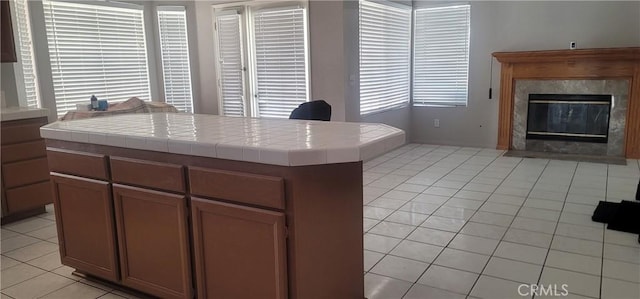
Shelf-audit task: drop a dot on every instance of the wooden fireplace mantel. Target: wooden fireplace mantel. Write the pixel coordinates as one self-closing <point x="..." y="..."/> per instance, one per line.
<point x="607" y="63"/>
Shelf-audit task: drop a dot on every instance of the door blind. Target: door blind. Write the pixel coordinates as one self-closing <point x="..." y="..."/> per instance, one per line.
<point x="96" y="50"/>
<point x="281" y="61"/>
<point x="441" y="56"/>
<point x="26" y="76"/>
<point x="230" y="53"/>
<point x="174" y="47"/>
<point x="385" y="56"/>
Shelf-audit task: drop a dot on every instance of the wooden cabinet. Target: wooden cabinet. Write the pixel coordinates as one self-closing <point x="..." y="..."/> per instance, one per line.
<point x="86" y="229"/>
<point x="177" y="226"/>
<point x="7" y="45"/>
<point x="25" y="175"/>
<point x="240" y="251"/>
<point x="153" y="241"/>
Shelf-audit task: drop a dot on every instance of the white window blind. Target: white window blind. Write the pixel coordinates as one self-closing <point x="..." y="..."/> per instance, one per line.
<point x="230" y="58"/>
<point x="174" y="48"/>
<point x="281" y="60"/>
<point x="26" y="77"/>
<point x="385" y="56"/>
<point x="441" y="56"/>
<point x="96" y="50"/>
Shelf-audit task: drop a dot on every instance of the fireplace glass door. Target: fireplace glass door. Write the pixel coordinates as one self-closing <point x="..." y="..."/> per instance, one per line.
<point x="573" y="117"/>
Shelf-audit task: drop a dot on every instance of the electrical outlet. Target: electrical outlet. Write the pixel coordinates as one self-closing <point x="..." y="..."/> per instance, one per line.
<point x="436" y="123"/>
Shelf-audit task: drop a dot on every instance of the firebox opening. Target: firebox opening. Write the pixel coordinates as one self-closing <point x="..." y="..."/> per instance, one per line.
<point x="569" y="117"/>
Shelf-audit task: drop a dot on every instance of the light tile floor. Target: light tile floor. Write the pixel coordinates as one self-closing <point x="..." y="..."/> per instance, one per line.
<point x="440" y="222"/>
<point x="31" y="264"/>
<point x="451" y="222"/>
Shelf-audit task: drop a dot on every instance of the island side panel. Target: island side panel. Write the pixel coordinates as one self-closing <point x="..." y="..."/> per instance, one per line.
<point x="325" y="236"/>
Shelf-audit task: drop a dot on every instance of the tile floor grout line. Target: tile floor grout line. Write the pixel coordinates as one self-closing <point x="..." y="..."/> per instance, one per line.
<point x="397" y="209"/>
<point x="439" y="206"/>
<point x="46" y="272"/>
<point x="466" y="221"/>
<point x="418" y="226"/>
<point x="512" y="220"/>
<point x="604" y="231"/>
<point x="447" y="245"/>
<point x="557" y="224"/>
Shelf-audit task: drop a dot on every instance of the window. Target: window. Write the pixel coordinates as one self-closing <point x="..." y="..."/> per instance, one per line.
<point x="385" y="56"/>
<point x="230" y="61"/>
<point x="441" y="56"/>
<point x="96" y="50"/>
<point x="174" y="48"/>
<point x="281" y="56"/>
<point x="25" y="69"/>
<point x="275" y="66"/>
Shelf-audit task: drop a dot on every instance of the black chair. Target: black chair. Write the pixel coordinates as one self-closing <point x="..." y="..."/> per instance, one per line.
<point x="314" y="110"/>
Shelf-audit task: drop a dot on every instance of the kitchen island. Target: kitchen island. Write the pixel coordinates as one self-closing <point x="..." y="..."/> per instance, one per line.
<point x="183" y="205"/>
<point x="25" y="188"/>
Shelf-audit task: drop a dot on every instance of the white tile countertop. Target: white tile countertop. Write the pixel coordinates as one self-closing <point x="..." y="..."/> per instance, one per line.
<point x="16" y="113"/>
<point x="269" y="141"/>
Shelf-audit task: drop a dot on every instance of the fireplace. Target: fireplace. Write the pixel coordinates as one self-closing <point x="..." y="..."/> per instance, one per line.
<point x="611" y="71"/>
<point x="569" y="117"/>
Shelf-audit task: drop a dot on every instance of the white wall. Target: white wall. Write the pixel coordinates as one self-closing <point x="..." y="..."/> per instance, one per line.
<point x="520" y="26"/>
<point x="327" y="59"/>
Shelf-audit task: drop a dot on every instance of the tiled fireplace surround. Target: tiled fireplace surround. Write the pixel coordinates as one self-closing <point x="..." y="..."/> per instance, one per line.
<point x="619" y="89"/>
<point x="614" y="71"/>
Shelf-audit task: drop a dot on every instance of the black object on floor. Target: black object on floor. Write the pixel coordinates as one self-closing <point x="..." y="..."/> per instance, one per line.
<point x="623" y="216"/>
<point x="626" y="217"/>
<point x="605" y="211"/>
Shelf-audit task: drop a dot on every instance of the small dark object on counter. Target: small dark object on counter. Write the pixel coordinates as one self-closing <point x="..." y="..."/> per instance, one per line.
<point x="94" y="103"/>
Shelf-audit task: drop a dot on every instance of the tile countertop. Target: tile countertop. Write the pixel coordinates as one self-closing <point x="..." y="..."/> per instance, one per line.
<point x="269" y="141"/>
<point x="16" y="113"/>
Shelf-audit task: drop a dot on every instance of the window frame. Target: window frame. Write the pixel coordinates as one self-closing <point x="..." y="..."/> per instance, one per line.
<point x="246" y="9"/>
<point x="404" y="103"/>
<point x="452" y="104"/>
<point x="147" y="36"/>
<point x="240" y="11"/>
<point x="19" y="66"/>
<point x="158" y="49"/>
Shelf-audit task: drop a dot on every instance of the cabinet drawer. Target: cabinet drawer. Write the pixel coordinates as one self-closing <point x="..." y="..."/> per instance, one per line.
<point x="155" y="175"/>
<point x="78" y="163"/>
<point x="28" y="197"/>
<point x="25" y="172"/>
<point x="21" y="130"/>
<point x="23" y="151"/>
<point x="247" y="188"/>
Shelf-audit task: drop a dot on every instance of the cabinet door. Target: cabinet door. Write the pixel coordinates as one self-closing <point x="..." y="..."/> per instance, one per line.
<point x="153" y="241"/>
<point x="86" y="229"/>
<point x="240" y="252"/>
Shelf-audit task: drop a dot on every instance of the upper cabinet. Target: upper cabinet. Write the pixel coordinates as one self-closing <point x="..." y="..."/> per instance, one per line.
<point x="7" y="45"/>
